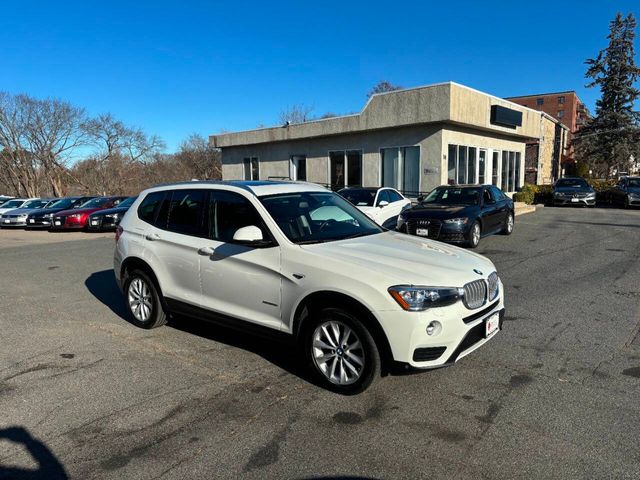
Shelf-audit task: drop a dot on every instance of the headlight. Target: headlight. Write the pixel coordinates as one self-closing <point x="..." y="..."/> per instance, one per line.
<point x="558" y="194"/>
<point x="591" y="195"/>
<point x="24" y="215"/>
<point x="634" y="195"/>
<point x="457" y="221"/>
<point x="112" y="215"/>
<point x="75" y="215"/>
<point x="416" y="299"/>
<point x="47" y="215"/>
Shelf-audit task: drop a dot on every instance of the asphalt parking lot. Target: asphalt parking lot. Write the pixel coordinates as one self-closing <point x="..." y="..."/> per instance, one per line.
<point x="84" y="394"/>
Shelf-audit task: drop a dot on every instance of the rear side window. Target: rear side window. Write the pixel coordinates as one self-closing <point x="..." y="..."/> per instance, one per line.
<point x="394" y="196"/>
<point x="497" y="193"/>
<point x="186" y="212"/>
<point x="149" y="206"/>
<point x="229" y="211"/>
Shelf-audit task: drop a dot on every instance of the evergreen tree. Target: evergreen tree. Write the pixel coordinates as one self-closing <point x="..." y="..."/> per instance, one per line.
<point x="611" y="138"/>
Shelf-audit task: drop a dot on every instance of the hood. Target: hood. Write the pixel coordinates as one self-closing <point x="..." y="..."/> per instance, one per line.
<point x="406" y="259"/>
<point x="75" y="211"/>
<point x="109" y="211"/>
<point x="43" y="211"/>
<point x="6" y="210"/>
<point x="440" y="211"/>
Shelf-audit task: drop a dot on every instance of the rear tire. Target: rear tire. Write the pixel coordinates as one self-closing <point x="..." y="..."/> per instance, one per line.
<point x="143" y="301"/>
<point x="474" y="235"/>
<point x="508" y="226"/>
<point x="340" y="351"/>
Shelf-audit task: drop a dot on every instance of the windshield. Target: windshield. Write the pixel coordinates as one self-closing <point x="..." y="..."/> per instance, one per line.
<point x="572" y="182"/>
<point x="127" y="202"/>
<point x="62" y="203"/>
<point x="34" y="204"/>
<point x="453" y="196"/>
<point x="95" y="203"/>
<point x="315" y="217"/>
<point x="13" y="204"/>
<point x="633" y="182"/>
<point x="360" y="198"/>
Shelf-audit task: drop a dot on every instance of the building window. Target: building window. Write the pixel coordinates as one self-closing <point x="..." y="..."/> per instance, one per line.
<point x="494" y="168"/>
<point x="560" y="113"/>
<point x="251" y="168"/>
<point x="400" y="169"/>
<point x="511" y="168"/>
<point x="462" y="166"/>
<point x="345" y="168"/>
<point x="561" y="100"/>
<point x="298" y="167"/>
<point x="482" y="165"/>
<point x="540" y="102"/>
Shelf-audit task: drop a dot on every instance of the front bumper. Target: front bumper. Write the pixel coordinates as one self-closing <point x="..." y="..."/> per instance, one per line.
<point x="67" y="223"/>
<point x="633" y="201"/>
<point x="13" y="222"/>
<point x="437" y="230"/>
<point x="462" y="331"/>
<point x="101" y="223"/>
<point x="579" y="202"/>
<point x="38" y="222"/>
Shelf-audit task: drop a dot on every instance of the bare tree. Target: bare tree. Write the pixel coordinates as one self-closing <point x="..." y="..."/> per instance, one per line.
<point x="17" y="163"/>
<point x="298" y="113"/>
<point x="199" y="158"/>
<point x="382" y="87"/>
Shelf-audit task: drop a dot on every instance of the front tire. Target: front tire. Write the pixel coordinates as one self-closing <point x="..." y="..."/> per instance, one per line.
<point x="341" y="353"/>
<point x="474" y="235"/>
<point x="143" y="301"/>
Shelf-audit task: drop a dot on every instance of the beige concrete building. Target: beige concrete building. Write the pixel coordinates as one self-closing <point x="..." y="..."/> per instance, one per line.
<point x="414" y="140"/>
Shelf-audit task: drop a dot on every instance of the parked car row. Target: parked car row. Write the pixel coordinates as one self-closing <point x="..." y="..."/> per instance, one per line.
<point x="69" y="213"/>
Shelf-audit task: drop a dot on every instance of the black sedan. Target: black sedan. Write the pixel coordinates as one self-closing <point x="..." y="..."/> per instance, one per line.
<point x="110" y="218"/>
<point x="573" y="191"/>
<point x="626" y="193"/>
<point x="42" y="218"/>
<point x="460" y="214"/>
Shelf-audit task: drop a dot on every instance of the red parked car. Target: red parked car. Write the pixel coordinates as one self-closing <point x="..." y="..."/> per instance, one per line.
<point x="76" y="218"/>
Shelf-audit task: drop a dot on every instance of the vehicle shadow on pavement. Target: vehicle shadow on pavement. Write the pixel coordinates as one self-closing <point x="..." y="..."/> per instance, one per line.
<point x="275" y="349"/>
<point x="102" y="285"/>
<point x="49" y="468"/>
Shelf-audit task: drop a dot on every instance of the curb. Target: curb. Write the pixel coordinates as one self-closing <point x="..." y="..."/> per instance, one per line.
<point x="522" y="208"/>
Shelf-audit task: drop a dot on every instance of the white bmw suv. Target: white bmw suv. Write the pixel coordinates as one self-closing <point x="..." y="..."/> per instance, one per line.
<point x="299" y="261"/>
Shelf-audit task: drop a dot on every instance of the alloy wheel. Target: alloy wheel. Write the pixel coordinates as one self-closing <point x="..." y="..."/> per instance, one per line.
<point x="475" y="234"/>
<point x="510" y="223"/>
<point x="139" y="296"/>
<point x="338" y="353"/>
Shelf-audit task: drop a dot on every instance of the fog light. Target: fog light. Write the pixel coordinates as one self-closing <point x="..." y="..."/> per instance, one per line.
<point x="434" y="328"/>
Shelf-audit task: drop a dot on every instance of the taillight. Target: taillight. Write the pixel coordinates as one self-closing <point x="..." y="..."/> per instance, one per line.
<point x="119" y="231"/>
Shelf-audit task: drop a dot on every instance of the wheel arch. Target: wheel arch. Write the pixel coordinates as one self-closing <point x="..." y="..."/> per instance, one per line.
<point x="136" y="263"/>
<point x="328" y="298"/>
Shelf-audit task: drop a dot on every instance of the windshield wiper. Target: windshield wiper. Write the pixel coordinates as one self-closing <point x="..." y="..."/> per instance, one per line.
<point x="310" y="242"/>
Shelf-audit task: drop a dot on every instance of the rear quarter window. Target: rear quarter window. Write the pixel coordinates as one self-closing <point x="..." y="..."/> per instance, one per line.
<point x="149" y="206"/>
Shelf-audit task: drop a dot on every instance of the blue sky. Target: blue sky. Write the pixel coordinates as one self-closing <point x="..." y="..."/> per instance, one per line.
<point x="176" y="68"/>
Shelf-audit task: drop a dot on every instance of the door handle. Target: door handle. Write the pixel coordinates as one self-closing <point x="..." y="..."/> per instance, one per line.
<point x="206" y="251"/>
<point x="152" y="236"/>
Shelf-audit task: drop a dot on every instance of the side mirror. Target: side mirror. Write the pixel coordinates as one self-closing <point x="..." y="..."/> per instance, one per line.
<point x="248" y="235"/>
<point x="383" y="204"/>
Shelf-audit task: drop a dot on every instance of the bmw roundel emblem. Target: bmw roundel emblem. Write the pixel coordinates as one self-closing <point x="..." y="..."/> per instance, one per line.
<point x="477" y="271"/>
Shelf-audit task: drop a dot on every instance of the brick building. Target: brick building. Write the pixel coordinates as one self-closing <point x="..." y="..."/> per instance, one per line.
<point x="566" y="107"/>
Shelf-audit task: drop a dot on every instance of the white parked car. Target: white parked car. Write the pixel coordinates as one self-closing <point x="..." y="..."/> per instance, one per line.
<point x="299" y="261"/>
<point x="382" y="205"/>
<point x="15" y="203"/>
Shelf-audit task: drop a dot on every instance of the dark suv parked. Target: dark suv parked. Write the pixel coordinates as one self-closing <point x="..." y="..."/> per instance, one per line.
<point x="626" y="193"/>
